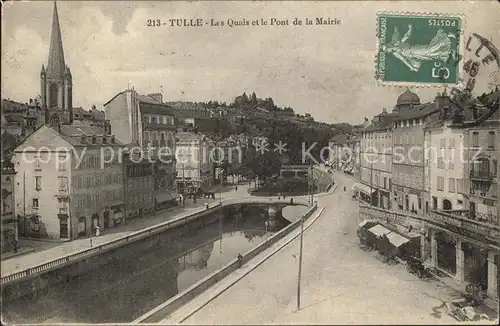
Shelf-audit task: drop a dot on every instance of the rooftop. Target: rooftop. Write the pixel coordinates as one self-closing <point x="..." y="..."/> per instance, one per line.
<point x="155" y="108"/>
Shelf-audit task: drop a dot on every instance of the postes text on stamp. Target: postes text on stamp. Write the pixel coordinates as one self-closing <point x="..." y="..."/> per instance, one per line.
<point x="418" y="49"/>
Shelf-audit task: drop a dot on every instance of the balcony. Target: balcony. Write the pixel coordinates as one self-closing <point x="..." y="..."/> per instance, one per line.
<point x="483" y="176"/>
<point x="62" y="193"/>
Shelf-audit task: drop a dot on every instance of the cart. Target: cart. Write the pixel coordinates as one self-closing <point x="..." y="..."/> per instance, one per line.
<point x="460" y="310"/>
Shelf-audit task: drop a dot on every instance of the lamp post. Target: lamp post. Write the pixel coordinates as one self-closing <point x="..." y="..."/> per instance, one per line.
<point x="220" y="223"/>
<point x="91" y="233"/>
<point x="371" y="183"/>
<point x="300" y="261"/>
<point x="309" y="181"/>
<point x="267" y="225"/>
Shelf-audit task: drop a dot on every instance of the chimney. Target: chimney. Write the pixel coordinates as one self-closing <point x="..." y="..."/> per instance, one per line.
<point x="443" y="104"/>
<point x="157" y="97"/>
<point x="107" y="127"/>
<point x="366" y="123"/>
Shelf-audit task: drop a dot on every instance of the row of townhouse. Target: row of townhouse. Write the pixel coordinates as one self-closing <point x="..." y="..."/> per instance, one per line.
<point x="439" y="162"/>
<point x="431" y="156"/>
<point x="71" y="178"/>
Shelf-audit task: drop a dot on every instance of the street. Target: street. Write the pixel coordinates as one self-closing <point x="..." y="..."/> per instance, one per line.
<point x="341" y="284"/>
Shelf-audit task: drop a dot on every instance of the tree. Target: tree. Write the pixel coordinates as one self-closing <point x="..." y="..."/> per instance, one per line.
<point x="253" y="99"/>
<point x="266" y="165"/>
<point x="270" y="104"/>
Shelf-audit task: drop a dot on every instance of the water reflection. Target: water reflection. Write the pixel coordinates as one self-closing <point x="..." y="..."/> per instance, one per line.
<point x="133" y="280"/>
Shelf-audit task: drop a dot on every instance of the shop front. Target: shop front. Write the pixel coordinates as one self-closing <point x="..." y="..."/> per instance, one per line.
<point x="475" y="264"/>
<point x="365" y="192"/>
<point x="114" y="215"/>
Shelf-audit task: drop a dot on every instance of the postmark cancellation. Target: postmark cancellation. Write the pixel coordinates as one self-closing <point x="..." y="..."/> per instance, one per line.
<point x="416" y="49"/>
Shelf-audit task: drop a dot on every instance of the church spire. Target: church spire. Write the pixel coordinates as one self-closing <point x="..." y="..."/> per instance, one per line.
<point x="56" y="65"/>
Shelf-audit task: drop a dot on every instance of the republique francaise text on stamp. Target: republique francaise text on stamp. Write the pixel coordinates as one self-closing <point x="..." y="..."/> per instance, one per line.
<point x="418" y="49"/>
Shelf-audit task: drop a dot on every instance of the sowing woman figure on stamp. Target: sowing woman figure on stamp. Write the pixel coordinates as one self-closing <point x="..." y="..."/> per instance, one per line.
<point x="412" y="55"/>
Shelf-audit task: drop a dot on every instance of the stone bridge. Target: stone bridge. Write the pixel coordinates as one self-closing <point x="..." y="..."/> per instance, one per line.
<point x="273" y="208"/>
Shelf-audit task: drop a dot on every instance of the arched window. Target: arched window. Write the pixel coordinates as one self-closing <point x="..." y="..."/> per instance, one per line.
<point x="54" y="95"/>
<point x="446" y="205"/>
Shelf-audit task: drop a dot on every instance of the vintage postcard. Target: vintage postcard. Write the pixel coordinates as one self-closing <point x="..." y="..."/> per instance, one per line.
<point x="250" y="162"/>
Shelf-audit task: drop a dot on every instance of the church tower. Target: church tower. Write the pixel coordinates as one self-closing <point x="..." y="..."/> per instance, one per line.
<point x="55" y="80"/>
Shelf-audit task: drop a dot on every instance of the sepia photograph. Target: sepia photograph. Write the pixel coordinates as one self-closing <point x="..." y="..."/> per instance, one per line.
<point x="250" y="162"/>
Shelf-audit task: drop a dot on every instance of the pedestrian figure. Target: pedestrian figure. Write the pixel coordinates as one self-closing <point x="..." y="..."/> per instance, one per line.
<point x="344" y="189"/>
<point x="240" y="260"/>
<point x="97" y="231"/>
<point x="15" y="245"/>
<point x="236" y="188"/>
<point x="291" y="201"/>
<point x="194" y="199"/>
<point x="279" y="197"/>
<point x="284" y="197"/>
<point x="206" y="205"/>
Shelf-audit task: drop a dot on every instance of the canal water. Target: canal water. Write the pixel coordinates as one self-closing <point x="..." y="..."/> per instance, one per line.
<point x="135" y="281"/>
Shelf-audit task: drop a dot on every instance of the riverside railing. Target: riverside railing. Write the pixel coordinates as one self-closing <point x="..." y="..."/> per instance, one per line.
<point x="135" y="236"/>
<point x="113" y="244"/>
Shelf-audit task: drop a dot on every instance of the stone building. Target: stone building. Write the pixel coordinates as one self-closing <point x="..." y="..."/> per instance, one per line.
<point x="94" y="117"/>
<point x="408" y="152"/>
<point x="195" y="166"/>
<point x="444" y="159"/>
<point x="8" y="232"/>
<point x="482" y="142"/>
<point x="69" y="182"/>
<point x="149" y="124"/>
<point x="376" y="160"/>
<point x="462" y="235"/>
<point x="139" y="186"/>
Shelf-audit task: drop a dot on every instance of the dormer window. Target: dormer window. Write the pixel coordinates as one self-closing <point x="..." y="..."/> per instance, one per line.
<point x="83" y="138"/>
<point x="93" y="139"/>
<point x="112" y="139"/>
<point x="104" y="140"/>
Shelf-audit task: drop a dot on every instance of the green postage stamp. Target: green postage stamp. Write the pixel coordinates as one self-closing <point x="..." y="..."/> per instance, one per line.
<point x="418" y="49"/>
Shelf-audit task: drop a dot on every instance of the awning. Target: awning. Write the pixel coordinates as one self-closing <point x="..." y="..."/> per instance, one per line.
<point x="118" y="216"/>
<point x="365" y="222"/>
<point x="396" y="239"/>
<point x="379" y="230"/>
<point x="364" y="188"/>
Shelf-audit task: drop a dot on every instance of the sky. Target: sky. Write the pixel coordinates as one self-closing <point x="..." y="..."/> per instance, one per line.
<point x="327" y="71"/>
